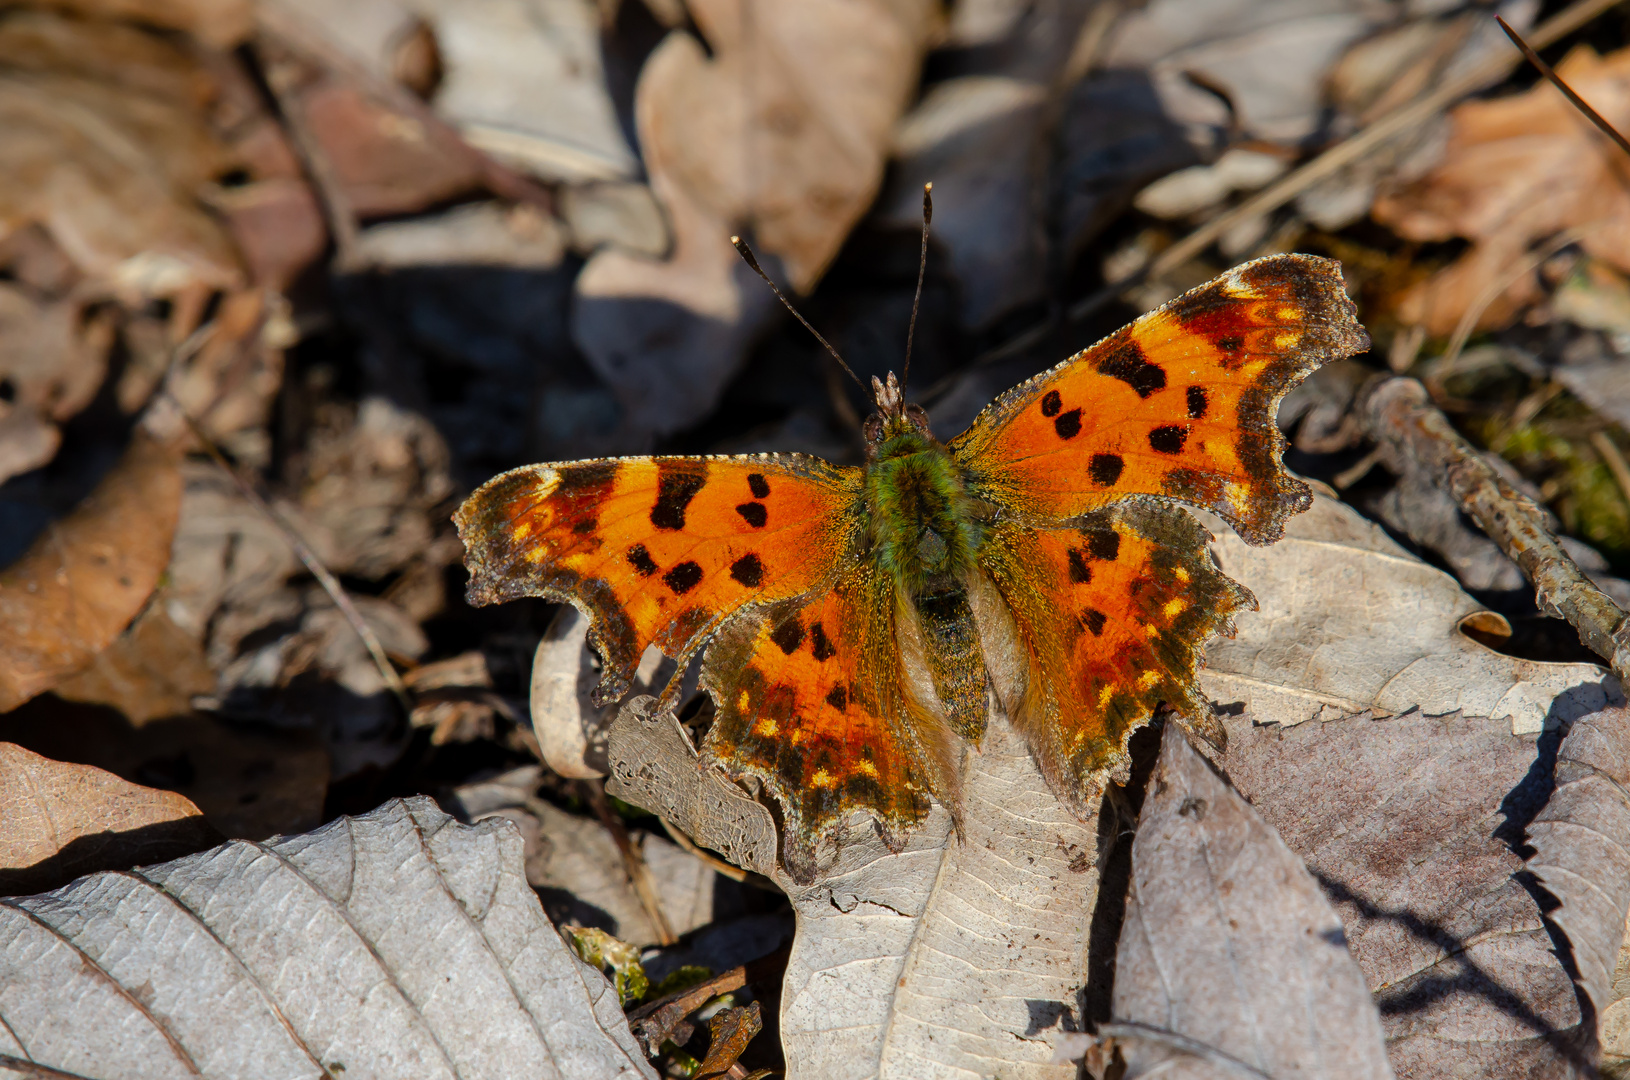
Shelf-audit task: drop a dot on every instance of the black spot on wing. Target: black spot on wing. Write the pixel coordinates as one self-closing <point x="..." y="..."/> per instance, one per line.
<point x="1231" y="343"/>
<point x="1051" y="403"/>
<point x="683" y="578"/>
<point x="1168" y="439"/>
<point x="754" y="514"/>
<point x="584" y="527"/>
<point x="1068" y="425"/>
<point x="1197" y="402"/>
<point x="640" y="560"/>
<point x="759" y="486"/>
<point x="820" y="647"/>
<point x="1105" y="544"/>
<point x="1128" y="364"/>
<point x="1105" y="469"/>
<point x="1080" y="572"/>
<point x="1094" y="620"/>
<point x="837" y="697"/>
<point x="748" y="570"/>
<point x="677" y="485"/>
<point x="788" y="636"/>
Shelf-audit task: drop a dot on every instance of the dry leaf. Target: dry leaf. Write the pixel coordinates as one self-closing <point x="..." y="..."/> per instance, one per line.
<point x="777" y="128"/>
<point x="218" y="23"/>
<point x="87" y="576"/>
<point x="1516" y="171"/>
<point x="571" y="729"/>
<point x="249" y="784"/>
<point x="152" y="670"/>
<point x="986" y="939"/>
<point x="1230" y="945"/>
<point x="62" y="821"/>
<point x="574" y="864"/>
<point x="1350" y="622"/>
<point x="1581" y="842"/>
<point x="395" y="944"/>
<point x="732" y="1030"/>
<point x="1410" y="825"/>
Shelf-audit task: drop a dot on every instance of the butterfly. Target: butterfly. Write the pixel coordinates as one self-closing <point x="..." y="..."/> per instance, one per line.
<point x="854" y="623"/>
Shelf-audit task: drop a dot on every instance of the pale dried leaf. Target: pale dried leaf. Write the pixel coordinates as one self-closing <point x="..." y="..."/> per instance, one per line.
<point x="1581" y="844"/>
<point x="395" y="944"/>
<point x="571" y="729"/>
<point x="1349" y="622"/>
<point x="87" y="576"/>
<point x="985" y="938"/>
<point x="574" y="863"/>
<point x="64" y="820"/>
<point x="1229" y="942"/>
<point x="1409" y="824"/>
<point x="778" y="129"/>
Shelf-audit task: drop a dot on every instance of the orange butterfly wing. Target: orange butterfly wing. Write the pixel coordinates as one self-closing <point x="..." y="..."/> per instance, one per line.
<point x="1180" y="403"/>
<point x="1113" y="593"/>
<point x="1112" y="613"/>
<point x="659" y="550"/>
<point x="812" y="702"/>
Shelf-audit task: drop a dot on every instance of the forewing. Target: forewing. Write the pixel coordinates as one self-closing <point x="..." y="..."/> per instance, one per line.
<point x="1180" y="403"/>
<point x="812" y="702"/>
<point x="659" y="550"/>
<point x="1113" y="614"/>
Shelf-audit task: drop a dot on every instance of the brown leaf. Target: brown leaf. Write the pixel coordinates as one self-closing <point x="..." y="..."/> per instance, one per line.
<point x="732" y="1030"/>
<point x="1581" y="844"/>
<point x="249" y="783"/>
<point x="154" y="669"/>
<point x="783" y="126"/>
<point x="87" y="576"/>
<point x="1517" y="170"/>
<point x="64" y="820"/>
<point x="1408" y="824"/>
<point x="1229" y="948"/>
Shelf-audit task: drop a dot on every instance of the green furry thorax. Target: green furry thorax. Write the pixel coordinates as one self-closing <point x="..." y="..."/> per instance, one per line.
<point x="923" y="530"/>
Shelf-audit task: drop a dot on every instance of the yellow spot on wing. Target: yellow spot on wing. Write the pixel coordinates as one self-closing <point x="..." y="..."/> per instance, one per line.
<point x="1104" y="695"/>
<point x="1181" y="575"/>
<point x="1289" y="313"/>
<point x="521" y="530"/>
<point x="866" y="767"/>
<point x="766" y="727"/>
<point x="1175" y="607"/>
<point x="1148" y="679"/>
<point x="1287" y="340"/>
<point x="822" y="778"/>
<point x="743" y="700"/>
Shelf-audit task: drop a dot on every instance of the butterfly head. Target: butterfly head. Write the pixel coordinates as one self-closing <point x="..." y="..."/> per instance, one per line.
<point x="894" y="417"/>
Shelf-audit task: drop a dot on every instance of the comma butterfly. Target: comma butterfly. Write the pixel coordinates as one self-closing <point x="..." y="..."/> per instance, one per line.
<point x="856" y="621"/>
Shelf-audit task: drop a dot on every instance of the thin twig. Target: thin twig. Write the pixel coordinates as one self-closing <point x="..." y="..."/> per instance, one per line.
<point x="35" y="1070"/>
<point x="331" y="585"/>
<point x="639" y="874"/>
<point x="1171" y="1040"/>
<point x="1567" y="91"/>
<point x="1414" y="437"/>
<point x="1367" y="139"/>
<point x="686" y="844"/>
<point x="655" y="1020"/>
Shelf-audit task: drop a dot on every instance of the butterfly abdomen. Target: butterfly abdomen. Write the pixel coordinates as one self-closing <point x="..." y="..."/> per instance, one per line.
<point x="923" y="531"/>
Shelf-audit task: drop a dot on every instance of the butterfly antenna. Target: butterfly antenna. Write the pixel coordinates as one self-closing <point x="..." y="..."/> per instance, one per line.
<point x="922" y="268"/>
<point x="1567" y="91"/>
<point x="747" y="255"/>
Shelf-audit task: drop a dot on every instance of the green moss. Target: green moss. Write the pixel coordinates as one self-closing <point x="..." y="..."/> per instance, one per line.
<point x="1587" y="499"/>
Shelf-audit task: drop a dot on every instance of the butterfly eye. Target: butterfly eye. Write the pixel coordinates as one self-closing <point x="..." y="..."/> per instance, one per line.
<point x="918" y="417"/>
